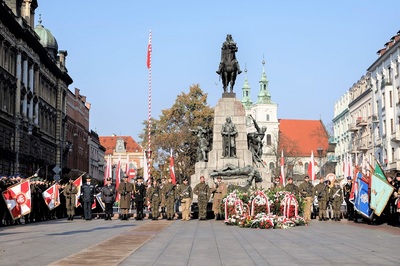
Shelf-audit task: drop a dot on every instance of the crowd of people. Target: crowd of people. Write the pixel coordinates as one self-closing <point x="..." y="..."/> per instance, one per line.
<point x="330" y="196"/>
<point x="162" y="199"/>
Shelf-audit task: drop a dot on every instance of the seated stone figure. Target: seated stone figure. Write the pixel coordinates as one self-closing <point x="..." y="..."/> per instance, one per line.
<point x="231" y="171"/>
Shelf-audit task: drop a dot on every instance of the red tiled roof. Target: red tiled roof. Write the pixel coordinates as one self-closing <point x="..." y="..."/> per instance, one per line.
<point x="308" y="135"/>
<point x="110" y="142"/>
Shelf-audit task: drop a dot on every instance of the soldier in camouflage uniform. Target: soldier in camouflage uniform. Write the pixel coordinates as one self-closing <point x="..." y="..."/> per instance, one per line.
<point x="169" y="192"/>
<point x="154" y="197"/>
<point x="70" y="192"/>
<point x="321" y="193"/>
<point x="337" y="200"/>
<point x="202" y="190"/>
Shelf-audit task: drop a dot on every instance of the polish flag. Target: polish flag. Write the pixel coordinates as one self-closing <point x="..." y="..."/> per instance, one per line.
<point x="311" y="167"/>
<point x="18" y="199"/>
<point x="78" y="184"/>
<point x="149" y="50"/>
<point x="51" y="197"/>
<point x="107" y="172"/>
<point x="172" y="169"/>
<point x="118" y="176"/>
<point x="282" y="179"/>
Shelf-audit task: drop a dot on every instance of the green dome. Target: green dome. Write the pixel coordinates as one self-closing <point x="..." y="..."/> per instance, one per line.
<point x="47" y="39"/>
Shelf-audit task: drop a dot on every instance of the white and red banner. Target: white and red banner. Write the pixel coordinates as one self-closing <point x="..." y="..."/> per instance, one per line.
<point x="172" y="169"/>
<point x="282" y="179"/>
<point x="107" y="172"/>
<point x="51" y="197"/>
<point x="118" y="177"/>
<point x="18" y="199"/>
<point x="78" y="184"/>
<point x="311" y="167"/>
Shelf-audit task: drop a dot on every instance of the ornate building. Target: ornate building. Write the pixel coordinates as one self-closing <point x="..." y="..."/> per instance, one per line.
<point x="33" y="88"/>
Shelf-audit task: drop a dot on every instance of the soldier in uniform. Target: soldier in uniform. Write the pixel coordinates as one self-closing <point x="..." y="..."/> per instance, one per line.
<point x="139" y="194"/>
<point x="162" y="196"/>
<point x="87" y="194"/>
<point x="349" y="206"/>
<point x="276" y="185"/>
<point x="336" y="197"/>
<point x="290" y="187"/>
<point x="169" y="192"/>
<point x="108" y="194"/>
<point x="320" y="193"/>
<point x="186" y="196"/>
<point x="125" y="190"/>
<point x="153" y="196"/>
<point x="202" y="190"/>
<point x="306" y="191"/>
<point x="219" y="189"/>
<point x="70" y="192"/>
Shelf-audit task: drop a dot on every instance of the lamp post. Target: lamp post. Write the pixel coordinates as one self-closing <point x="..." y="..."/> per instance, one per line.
<point x="320" y="150"/>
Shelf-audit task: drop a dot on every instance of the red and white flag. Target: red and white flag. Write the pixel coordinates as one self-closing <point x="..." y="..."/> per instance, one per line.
<point x="172" y="169"/>
<point x="118" y="177"/>
<point x="149" y="50"/>
<point x="127" y="164"/>
<point x="51" y="197"/>
<point x="18" y="199"/>
<point x="282" y="179"/>
<point x="78" y="184"/>
<point x="311" y="167"/>
<point x="107" y="172"/>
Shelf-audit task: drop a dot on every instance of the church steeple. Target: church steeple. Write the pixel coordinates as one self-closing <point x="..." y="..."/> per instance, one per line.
<point x="246" y="100"/>
<point x="264" y="96"/>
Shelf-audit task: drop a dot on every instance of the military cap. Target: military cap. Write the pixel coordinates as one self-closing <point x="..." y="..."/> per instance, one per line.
<point x="108" y="179"/>
<point x="349" y="178"/>
<point x="139" y="177"/>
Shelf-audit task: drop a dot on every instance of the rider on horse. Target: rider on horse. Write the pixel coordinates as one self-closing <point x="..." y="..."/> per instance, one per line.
<point x="228" y="50"/>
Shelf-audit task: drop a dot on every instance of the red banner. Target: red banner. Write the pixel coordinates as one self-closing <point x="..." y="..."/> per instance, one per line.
<point x="18" y="199"/>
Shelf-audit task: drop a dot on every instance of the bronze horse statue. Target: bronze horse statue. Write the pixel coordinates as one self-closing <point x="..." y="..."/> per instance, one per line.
<point x="229" y="67"/>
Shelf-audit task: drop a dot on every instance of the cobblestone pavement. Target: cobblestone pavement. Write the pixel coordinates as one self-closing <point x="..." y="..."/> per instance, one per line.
<point x="99" y="242"/>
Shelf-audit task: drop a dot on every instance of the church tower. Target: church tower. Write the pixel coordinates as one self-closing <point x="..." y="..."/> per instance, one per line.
<point x="246" y="99"/>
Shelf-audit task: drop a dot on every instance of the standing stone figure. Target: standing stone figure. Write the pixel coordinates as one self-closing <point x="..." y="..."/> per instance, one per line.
<point x="203" y="143"/>
<point x="229" y="133"/>
<point x="255" y="141"/>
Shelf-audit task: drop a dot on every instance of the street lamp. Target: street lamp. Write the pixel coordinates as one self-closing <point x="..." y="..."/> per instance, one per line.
<point x="320" y="150"/>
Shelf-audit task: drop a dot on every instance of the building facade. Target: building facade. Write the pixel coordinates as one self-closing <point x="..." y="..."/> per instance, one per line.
<point x="33" y="89"/>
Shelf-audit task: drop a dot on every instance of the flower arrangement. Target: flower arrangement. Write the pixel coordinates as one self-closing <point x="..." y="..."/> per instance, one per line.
<point x="259" y="212"/>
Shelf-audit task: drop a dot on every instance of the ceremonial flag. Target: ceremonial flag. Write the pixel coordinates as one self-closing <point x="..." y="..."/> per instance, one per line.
<point x="145" y="169"/>
<point x="118" y="177"/>
<point x="107" y="172"/>
<point x="18" y="199"/>
<point x="361" y="201"/>
<point x="172" y="168"/>
<point x="94" y="203"/>
<point x="51" y="197"/>
<point x="354" y="187"/>
<point x="311" y="167"/>
<point x="100" y="201"/>
<point x="381" y="190"/>
<point x="282" y="179"/>
<point x="78" y="184"/>
<point x="149" y="50"/>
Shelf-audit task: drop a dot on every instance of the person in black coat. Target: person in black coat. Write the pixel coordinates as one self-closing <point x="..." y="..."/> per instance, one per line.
<point x="139" y="193"/>
<point x="87" y="195"/>
<point x="108" y="194"/>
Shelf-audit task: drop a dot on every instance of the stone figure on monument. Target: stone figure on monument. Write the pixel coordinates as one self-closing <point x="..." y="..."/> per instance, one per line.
<point x="229" y="66"/>
<point x="255" y="141"/>
<point x="229" y="133"/>
<point x="203" y="143"/>
<point x="231" y="171"/>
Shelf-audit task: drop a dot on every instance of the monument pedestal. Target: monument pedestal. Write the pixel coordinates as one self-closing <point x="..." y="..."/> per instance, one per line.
<point x="233" y="108"/>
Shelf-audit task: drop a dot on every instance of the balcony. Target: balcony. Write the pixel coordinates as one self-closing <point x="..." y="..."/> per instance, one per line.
<point x="395" y="136"/>
<point x="395" y="165"/>
<point x="361" y="122"/>
<point x="353" y="127"/>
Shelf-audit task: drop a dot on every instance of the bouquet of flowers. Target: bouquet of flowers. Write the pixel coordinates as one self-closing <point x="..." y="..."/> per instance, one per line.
<point x="262" y="221"/>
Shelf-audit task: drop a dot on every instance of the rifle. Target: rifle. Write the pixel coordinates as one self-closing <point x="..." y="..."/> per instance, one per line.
<point x="169" y="191"/>
<point x="319" y="196"/>
<point x="183" y="192"/>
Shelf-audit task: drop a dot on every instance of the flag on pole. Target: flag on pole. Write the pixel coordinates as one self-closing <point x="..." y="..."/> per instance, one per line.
<point x="282" y="179"/>
<point x="381" y="190"/>
<point x="51" y="197"/>
<point x="18" y="199"/>
<point x="172" y="169"/>
<point x="145" y="166"/>
<point x="149" y="50"/>
<point x="311" y="167"/>
<point x="107" y="172"/>
<point x="127" y="164"/>
<point x="118" y="177"/>
<point x="361" y="200"/>
<point x="100" y="201"/>
<point x="78" y="184"/>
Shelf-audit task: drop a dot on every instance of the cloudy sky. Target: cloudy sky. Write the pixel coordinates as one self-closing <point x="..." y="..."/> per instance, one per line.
<point x="314" y="51"/>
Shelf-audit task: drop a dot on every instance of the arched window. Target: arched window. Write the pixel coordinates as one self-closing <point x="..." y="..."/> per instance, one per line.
<point x="271" y="167"/>
<point x="305" y="167"/>
<point x="269" y="141"/>
<point x="268" y="117"/>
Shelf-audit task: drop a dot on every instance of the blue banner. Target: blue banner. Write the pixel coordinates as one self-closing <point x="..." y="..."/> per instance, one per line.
<point x="361" y="201"/>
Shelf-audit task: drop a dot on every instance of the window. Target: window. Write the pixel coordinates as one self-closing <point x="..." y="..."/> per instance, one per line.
<point x="390" y="99"/>
<point x="269" y="141"/>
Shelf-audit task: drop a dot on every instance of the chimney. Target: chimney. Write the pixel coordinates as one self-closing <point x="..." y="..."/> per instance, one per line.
<point x="62" y="54"/>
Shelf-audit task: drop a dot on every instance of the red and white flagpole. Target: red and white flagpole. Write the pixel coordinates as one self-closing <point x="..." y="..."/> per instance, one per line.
<point x="149" y="51"/>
